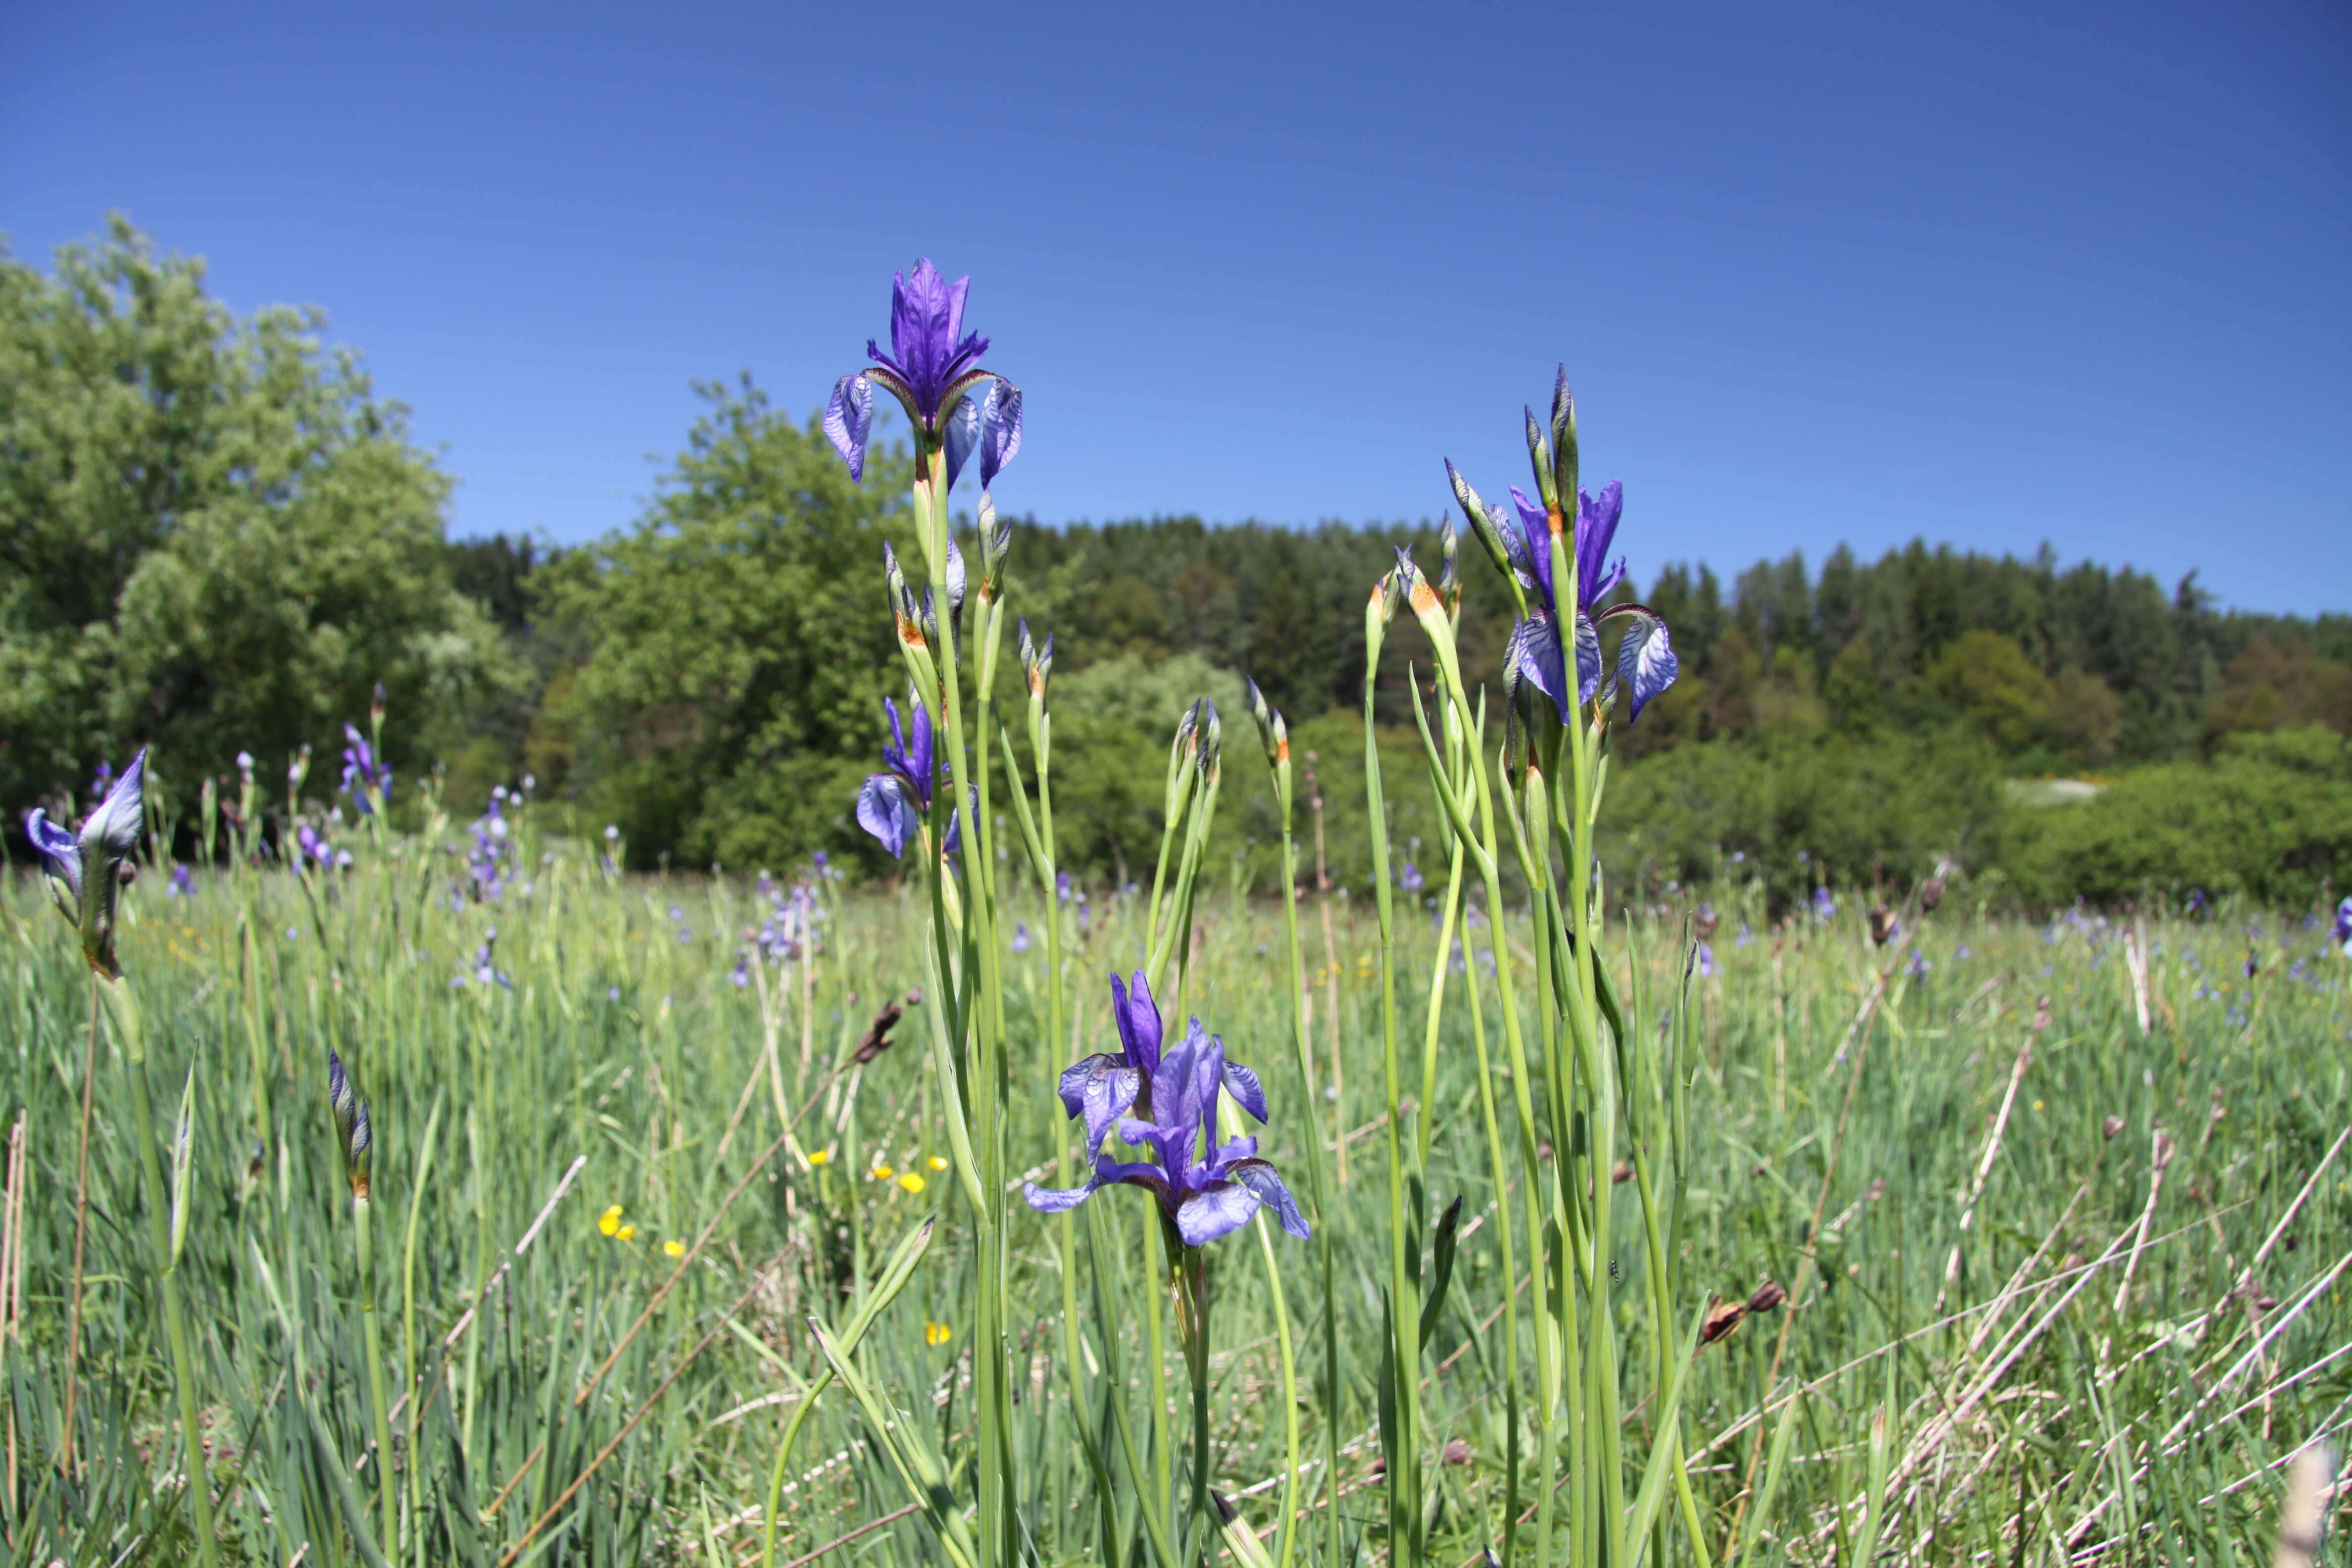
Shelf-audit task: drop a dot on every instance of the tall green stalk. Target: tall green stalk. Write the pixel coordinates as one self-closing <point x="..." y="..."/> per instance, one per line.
<point x="123" y="1012"/>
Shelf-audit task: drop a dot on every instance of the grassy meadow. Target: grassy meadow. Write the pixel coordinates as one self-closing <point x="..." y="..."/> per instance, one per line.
<point x="2059" y="1286"/>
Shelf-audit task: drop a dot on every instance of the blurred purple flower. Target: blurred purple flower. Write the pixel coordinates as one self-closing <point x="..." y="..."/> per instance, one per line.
<point x="1021" y="936"/>
<point x="183" y="884"/>
<point x="1705" y="961"/>
<point x="1409" y="878"/>
<point x="2344" y="926"/>
<point x="1918" y="965"/>
<point x="1824" y="907"/>
<point x="364" y="768"/>
<point x="1176" y="1093"/>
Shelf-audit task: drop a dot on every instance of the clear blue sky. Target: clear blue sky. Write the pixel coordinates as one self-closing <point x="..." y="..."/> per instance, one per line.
<point x="1994" y="274"/>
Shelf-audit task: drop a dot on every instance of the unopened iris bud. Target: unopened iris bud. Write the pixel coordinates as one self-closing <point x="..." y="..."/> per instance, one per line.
<point x="1037" y="662"/>
<point x="376" y="707"/>
<point x="1563" y="437"/>
<point x="1273" y="733"/>
<point x="1449" y="575"/>
<point x="1213" y="742"/>
<point x="355" y="1156"/>
<point x="1539" y="458"/>
<point x="995" y="545"/>
<point x="298" y="768"/>
<point x="340" y="1098"/>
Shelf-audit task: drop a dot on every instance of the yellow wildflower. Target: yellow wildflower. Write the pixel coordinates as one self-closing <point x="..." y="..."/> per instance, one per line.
<point x="938" y="1164"/>
<point x="675" y="1249"/>
<point x="609" y="1222"/>
<point x="937" y="1333"/>
<point x="911" y="1182"/>
<point x="883" y="1173"/>
<point x="627" y="1233"/>
<point x="820" y="1157"/>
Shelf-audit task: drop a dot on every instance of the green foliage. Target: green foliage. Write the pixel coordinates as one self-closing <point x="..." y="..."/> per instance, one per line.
<point x="1854" y="808"/>
<point x="739" y="643"/>
<point x="2271" y="817"/>
<point x="1986" y="676"/>
<point x="211" y="535"/>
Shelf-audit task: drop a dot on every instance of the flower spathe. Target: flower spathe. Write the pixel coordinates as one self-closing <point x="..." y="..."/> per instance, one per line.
<point x="1175" y="1093"/>
<point x="931" y="366"/>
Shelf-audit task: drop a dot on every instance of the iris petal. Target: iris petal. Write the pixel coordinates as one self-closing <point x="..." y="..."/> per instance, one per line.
<point x="849" y="420"/>
<point x="1216" y="1211"/>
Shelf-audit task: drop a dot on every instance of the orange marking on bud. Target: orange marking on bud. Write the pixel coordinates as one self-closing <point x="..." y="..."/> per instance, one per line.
<point x="1036" y="684"/>
<point x="1551" y="515"/>
<point x="1281" y="749"/>
<point x="1425" y="597"/>
<point x="909" y="633"/>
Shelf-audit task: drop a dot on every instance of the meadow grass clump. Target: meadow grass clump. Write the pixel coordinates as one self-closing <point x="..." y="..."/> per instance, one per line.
<point x="523" y="1209"/>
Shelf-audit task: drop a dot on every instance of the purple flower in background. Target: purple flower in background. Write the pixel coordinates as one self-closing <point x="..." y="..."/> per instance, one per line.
<point x="1824" y="907"/>
<point x="2196" y="901"/>
<point x="1206" y="1197"/>
<point x="892" y="803"/>
<point x="1745" y="936"/>
<point x="1705" y="961"/>
<point x="1919" y="965"/>
<point x="1409" y="878"/>
<point x="2344" y="926"/>
<point x="1021" y="936"/>
<point x="488" y="862"/>
<point x="312" y="847"/>
<point x="183" y="884"/>
<point x="932" y="366"/>
<point x="364" y="768"/>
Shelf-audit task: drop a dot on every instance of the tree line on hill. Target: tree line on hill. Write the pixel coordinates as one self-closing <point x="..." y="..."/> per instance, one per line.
<point x="214" y="538"/>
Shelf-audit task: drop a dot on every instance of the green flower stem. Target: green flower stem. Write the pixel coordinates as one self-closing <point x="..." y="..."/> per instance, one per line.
<point x="408" y="1301"/>
<point x="1334" y="1543"/>
<point x="123" y="1012"/>
<point x="1406" y="1523"/>
<point x="984" y="1082"/>
<point x="1531" y="1184"/>
<point x="372" y="1335"/>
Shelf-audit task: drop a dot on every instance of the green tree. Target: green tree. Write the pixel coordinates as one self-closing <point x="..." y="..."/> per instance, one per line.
<point x="1986" y="677"/>
<point x="213" y="536"/>
<point x="740" y="643"/>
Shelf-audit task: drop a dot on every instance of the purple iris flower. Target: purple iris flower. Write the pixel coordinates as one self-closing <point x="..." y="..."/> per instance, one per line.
<point x="1021" y="936"/>
<point x="1918" y="966"/>
<point x="931" y="366"/>
<point x="1647" y="664"/>
<point x="362" y="768"/>
<point x="1824" y="907"/>
<point x="313" y="847"/>
<point x="84" y="870"/>
<point x="183" y="884"/>
<point x="891" y="803"/>
<point x="1705" y="961"/>
<point x="1177" y="1094"/>
<point x="1409" y="878"/>
<point x="2344" y="926"/>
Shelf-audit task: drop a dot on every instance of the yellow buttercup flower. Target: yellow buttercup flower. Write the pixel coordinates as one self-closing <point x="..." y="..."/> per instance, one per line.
<point x="883" y="1173"/>
<point x="911" y="1182"/>
<point x="820" y="1157"/>
<point x="937" y="1333"/>
<point x="938" y="1164"/>
<point x="627" y="1233"/>
<point x="675" y="1249"/>
<point x="609" y="1222"/>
